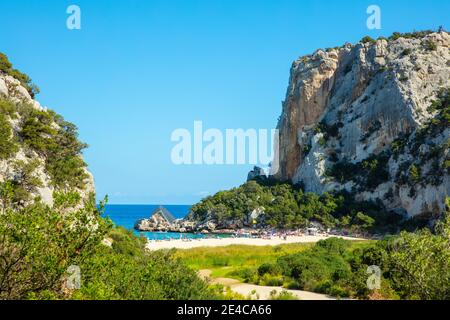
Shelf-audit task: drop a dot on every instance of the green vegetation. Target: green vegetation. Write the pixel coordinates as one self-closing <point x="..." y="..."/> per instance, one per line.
<point x="430" y="45"/>
<point x="26" y="82"/>
<point x="236" y="261"/>
<point x="59" y="145"/>
<point x="39" y="244"/>
<point x="441" y="106"/>
<point x="367" y="174"/>
<point x="410" y="35"/>
<point x="288" y="207"/>
<point x="126" y="271"/>
<point x="329" y="131"/>
<point x="368" y="39"/>
<point x="419" y="263"/>
<point x="283" y="295"/>
<point x="49" y="135"/>
<point x="44" y="132"/>
<point x="412" y="172"/>
<point x="406" y="52"/>
<point x="7" y="144"/>
<point x="413" y="266"/>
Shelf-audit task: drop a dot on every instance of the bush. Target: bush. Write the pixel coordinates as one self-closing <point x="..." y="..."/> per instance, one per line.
<point x="249" y="275"/>
<point x="287" y="207"/>
<point x="7" y="144"/>
<point x="283" y="295"/>
<point x="337" y="291"/>
<point x="410" y="35"/>
<point x="17" y="190"/>
<point x="127" y="271"/>
<point x="368" y="174"/>
<point x="368" y="39"/>
<point x="430" y="45"/>
<point x="59" y="145"/>
<point x="269" y="268"/>
<point x="39" y="244"/>
<point x="414" y="174"/>
<point x="8" y="108"/>
<point x="334" y="245"/>
<point x="7" y="67"/>
<point x="271" y="281"/>
<point x="406" y="52"/>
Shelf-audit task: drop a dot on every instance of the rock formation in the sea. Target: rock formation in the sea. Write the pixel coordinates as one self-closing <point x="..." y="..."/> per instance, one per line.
<point x="39" y="151"/>
<point x="373" y="119"/>
<point x="160" y="220"/>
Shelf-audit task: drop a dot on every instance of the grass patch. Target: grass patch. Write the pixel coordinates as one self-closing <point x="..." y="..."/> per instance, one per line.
<point x="223" y="261"/>
<point x="227" y="261"/>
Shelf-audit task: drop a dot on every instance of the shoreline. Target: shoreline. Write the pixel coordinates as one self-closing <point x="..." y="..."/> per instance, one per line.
<point x="154" y="245"/>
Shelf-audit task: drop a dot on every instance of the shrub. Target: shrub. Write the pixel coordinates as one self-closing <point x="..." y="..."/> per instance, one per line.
<point x="7" y="67"/>
<point x="368" y="39"/>
<point x="16" y="190"/>
<point x="406" y="52"/>
<point x="334" y="245"/>
<point x="126" y="271"/>
<point x="368" y="174"/>
<point x="322" y="142"/>
<point x="247" y="274"/>
<point x="283" y="295"/>
<point x="7" y="108"/>
<point x="430" y="45"/>
<point x="414" y="174"/>
<point x="269" y="268"/>
<point x="271" y="281"/>
<point x="337" y="291"/>
<point x="39" y="244"/>
<point x="7" y="144"/>
<point x="58" y="144"/>
<point x="410" y="35"/>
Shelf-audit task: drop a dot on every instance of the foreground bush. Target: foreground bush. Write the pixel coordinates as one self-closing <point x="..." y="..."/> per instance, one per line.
<point x="126" y="271"/>
<point x="413" y="266"/>
<point x="38" y="245"/>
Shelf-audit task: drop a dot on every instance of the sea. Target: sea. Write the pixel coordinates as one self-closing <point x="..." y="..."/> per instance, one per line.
<point x="127" y="215"/>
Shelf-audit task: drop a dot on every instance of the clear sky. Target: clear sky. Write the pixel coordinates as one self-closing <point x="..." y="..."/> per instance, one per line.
<point x="137" y="70"/>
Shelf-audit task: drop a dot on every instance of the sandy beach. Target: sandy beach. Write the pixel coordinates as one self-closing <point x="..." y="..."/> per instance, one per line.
<point x="197" y="243"/>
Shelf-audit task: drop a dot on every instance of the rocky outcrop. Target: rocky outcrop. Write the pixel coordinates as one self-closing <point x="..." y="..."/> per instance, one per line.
<point x="350" y="104"/>
<point x="157" y="224"/>
<point x="256" y="173"/>
<point x="11" y="90"/>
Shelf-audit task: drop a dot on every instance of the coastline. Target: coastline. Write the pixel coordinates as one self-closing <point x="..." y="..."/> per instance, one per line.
<point x="153" y="245"/>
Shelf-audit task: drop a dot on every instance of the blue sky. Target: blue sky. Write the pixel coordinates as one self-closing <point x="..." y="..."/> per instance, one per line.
<point x="137" y="70"/>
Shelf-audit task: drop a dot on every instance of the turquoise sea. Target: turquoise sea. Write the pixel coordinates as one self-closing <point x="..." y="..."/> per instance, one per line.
<point x="127" y="215"/>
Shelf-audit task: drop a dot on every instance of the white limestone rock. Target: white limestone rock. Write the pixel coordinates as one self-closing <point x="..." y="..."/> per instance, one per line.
<point x="375" y="93"/>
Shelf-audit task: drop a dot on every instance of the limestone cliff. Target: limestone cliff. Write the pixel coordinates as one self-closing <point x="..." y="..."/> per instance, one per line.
<point x="363" y="118"/>
<point x="39" y="151"/>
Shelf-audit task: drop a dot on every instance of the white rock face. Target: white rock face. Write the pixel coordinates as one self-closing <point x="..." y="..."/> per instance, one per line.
<point x="3" y="88"/>
<point x="11" y="89"/>
<point x="372" y="94"/>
